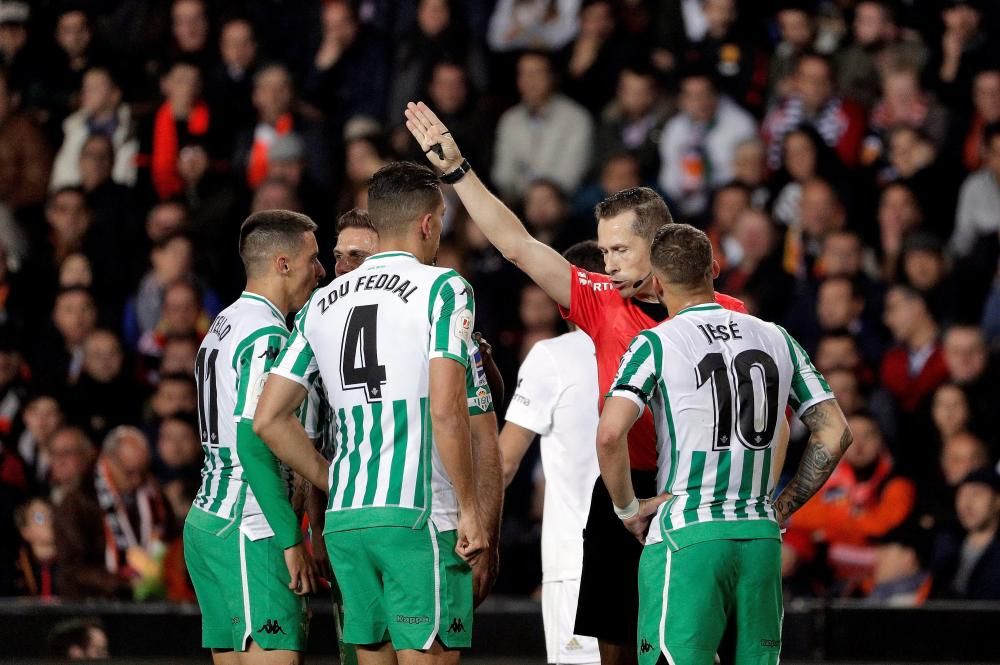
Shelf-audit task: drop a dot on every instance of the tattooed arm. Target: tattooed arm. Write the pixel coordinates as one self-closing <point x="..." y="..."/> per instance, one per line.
<point x="829" y="437"/>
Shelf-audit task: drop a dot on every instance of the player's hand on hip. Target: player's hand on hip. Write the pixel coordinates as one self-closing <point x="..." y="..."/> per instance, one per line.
<point x="300" y="570"/>
<point x="434" y="138"/>
<point x="638" y="526"/>
<point x="471" y="536"/>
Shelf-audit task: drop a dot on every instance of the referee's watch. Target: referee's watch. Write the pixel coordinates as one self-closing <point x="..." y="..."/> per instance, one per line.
<point x="451" y="177"/>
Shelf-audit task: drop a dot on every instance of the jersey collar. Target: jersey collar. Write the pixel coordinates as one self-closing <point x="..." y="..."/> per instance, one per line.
<point x="259" y="298"/>
<point x="390" y="255"/>
<point x="700" y="308"/>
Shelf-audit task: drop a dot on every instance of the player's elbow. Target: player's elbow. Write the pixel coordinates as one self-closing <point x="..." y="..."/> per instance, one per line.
<point x="608" y="441"/>
<point x="263" y="424"/>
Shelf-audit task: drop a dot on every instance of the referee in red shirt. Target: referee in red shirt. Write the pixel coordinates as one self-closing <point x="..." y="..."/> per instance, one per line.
<point x="611" y="309"/>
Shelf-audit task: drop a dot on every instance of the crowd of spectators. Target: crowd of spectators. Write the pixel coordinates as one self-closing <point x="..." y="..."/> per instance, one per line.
<point x="843" y="156"/>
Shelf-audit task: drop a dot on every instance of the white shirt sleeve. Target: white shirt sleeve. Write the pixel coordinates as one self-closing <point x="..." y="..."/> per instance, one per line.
<point x="537" y="394"/>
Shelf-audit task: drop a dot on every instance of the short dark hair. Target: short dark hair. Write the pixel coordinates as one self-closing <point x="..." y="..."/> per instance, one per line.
<point x="399" y="194"/>
<point x="587" y="255"/>
<point x="356" y="218"/>
<point x="651" y="211"/>
<point x="71" y="633"/>
<point x="682" y="255"/>
<point x="267" y="231"/>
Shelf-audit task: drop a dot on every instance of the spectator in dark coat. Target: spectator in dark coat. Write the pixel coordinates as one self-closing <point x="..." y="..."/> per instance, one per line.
<point x="967" y="565"/>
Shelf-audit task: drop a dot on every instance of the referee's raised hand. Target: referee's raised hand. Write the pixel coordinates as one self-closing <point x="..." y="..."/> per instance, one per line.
<point x="434" y="138"/>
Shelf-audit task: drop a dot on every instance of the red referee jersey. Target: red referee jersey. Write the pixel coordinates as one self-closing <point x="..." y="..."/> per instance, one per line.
<point x="613" y="322"/>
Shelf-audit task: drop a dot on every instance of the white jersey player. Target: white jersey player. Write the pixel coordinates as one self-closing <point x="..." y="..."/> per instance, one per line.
<point x="556" y="398"/>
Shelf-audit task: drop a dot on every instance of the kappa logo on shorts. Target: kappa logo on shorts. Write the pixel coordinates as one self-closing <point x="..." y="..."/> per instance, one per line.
<point x="456" y="626"/>
<point x="645" y="647"/>
<point x="402" y="618"/>
<point x="271" y="627"/>
<point x="236" y="621"/>
<point x="770" y="644"/>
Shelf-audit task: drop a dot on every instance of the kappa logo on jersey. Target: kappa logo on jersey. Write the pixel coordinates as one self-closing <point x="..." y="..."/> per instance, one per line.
<point x="463" y="325"/>
<point x="645" y="647"/>
<point x="456" y="626"/>
<point x="271" y="627"/>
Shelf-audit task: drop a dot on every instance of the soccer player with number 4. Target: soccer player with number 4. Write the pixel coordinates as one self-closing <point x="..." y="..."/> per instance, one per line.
<point x="717" y="383"/>
<point x="391" y="342"/>
<point x="242" y="541"/>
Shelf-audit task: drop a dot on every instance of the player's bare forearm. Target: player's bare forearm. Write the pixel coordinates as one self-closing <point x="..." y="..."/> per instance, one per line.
<point x="487" y="461"/>
<point x="545" y="266"/>
<point x="617" y="419"/>
<point x="829" y="437"/>
<point x="514" y="443"/>
<point x="276" y="423"/>
<point x="452" y="432"/>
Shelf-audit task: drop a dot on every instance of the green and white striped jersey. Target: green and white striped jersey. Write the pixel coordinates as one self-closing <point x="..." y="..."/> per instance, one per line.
<point x="371" y="334"/>
<point x="323" y="419"/>
<point x="717" y="382"/>
<point x="241" y="346"/>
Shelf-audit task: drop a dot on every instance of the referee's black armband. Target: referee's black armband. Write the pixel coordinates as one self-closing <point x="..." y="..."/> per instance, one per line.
<point x="452" y="177"/>
<point x="632" y="389"/>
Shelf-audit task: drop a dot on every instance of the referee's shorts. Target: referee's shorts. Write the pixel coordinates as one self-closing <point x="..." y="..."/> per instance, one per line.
<point x="608" y="607"/>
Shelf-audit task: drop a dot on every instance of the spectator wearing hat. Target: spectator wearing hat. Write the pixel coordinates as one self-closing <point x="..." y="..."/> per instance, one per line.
<point x="697" y="144"/>
<point x="287" y="161"/>
<point x="967" y="562"/>
<point x="902" y="559"/>
<point x="25" y="158"/>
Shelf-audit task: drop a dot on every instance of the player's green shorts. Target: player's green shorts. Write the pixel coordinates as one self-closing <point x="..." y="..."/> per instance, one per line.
<point x="403" y="585"/>
<point x="242" y="589"/>
<point x="687" y="597"/>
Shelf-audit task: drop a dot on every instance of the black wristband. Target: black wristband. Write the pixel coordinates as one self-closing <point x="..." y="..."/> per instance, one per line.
<point x="451" y="177"/>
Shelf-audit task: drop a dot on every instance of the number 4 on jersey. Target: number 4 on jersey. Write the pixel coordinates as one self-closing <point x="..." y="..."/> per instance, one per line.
<point x="359" y="366"/>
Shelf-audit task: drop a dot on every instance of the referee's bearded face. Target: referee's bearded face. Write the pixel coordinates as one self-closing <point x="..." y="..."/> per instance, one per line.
<point x="305" y="271"/>
<point x="626" y="254"/>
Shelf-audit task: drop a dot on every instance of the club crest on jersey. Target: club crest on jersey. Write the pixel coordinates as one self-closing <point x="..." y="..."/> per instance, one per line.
<point x="463" y="325"/>
<point x="483" y="400"/>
